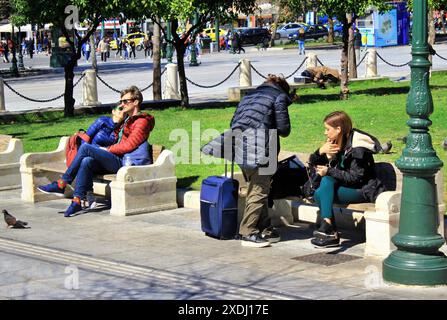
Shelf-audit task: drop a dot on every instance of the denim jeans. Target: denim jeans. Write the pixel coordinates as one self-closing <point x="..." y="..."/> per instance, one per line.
<point x="330" y="192"/>
<point x="90" y="160"/>
<point x="301" y="46"/>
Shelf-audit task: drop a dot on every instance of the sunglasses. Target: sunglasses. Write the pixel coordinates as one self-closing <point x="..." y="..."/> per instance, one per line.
<point x="125" y="101"/>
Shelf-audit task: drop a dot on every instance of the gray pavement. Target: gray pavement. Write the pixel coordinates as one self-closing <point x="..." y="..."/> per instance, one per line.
<point x="164" y="255"/>
<point x="213" y="69"/>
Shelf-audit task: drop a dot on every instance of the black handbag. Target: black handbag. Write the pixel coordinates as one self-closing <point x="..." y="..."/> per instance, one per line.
<point x="288" y="179"/>
<point x="312" y="183"/>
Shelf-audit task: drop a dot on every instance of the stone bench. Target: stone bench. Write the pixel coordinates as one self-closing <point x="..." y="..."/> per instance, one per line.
<point x="133" y="190"/>
<point x="11" y="149"/>
<point x="379" y="220"/>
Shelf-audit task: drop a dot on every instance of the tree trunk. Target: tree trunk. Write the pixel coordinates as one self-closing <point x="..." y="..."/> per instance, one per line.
<point x="69" y="101"/>
<point x="344" y="89"/>
<point x="330" y="38"/>
<point x="180" y="50"/>
<point x="156" y="61"/>
<point x="351" y="52"/>
<point x="272" y="40"/>
<point x="431" y="34"/>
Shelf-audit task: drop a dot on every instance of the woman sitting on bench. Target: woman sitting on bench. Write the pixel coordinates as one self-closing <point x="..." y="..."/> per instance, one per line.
<point x="346" y="164"/>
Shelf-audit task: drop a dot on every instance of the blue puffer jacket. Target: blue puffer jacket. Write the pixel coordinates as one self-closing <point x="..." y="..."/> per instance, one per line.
<point x="101" y="132"/>
<point x="265" y="108"/>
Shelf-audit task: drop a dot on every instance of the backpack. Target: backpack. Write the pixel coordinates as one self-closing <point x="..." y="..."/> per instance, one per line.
<point x="74" y="142"/>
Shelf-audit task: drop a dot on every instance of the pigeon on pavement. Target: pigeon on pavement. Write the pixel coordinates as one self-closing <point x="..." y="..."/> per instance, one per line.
<point x="12" y="222"/>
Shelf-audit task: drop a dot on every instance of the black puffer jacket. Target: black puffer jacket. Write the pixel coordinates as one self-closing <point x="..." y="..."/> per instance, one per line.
<point x="354" y="166"/>
<point x="265" y="108"/>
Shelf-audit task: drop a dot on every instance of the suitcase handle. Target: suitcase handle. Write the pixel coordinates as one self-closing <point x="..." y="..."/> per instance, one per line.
<point x="232" y="169"/>
<point x="209" y="202"/>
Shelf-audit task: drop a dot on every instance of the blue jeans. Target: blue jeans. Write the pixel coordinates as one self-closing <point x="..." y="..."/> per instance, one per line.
<point x="90" y="160"/>
<point x="329" y="192"/>
<point x="301" y="46"/>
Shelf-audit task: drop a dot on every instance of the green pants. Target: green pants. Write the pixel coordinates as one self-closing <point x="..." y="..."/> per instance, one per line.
<point x="256" y="217"/>
<point x="329" y="192"/>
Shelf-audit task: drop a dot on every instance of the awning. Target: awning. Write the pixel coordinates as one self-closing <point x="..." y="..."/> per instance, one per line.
<point x="7" y="28"/>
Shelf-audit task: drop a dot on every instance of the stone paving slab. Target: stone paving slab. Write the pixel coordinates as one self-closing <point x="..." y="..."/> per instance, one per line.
<point x="172" y="242"/>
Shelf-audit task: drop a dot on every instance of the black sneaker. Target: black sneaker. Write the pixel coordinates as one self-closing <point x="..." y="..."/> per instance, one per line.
<point x="324" y="229"/>
<point x="271" y="235"/>
<point x="254" y="241"/>
<point x="327" y="241"/>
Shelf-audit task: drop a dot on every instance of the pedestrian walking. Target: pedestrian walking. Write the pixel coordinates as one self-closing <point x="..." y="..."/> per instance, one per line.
<point x="119" y="48"/>
<point x="132" y="49"/>
<point x="301" y="41"/>
<point x="357" y="44"/>
<point x="87" y="51"/>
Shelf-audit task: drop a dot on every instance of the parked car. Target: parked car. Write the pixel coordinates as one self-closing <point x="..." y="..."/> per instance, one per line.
<point x="137" y="37"/>
<point x="312" y="32"/>
<point x="338" y="29"/>
<point x="288" y="28"/>
<point x="254" y="36"/>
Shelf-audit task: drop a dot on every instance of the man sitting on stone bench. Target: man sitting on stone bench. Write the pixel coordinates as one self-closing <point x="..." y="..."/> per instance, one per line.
<point x="90" y="160"/>
<point x="345" y="164"/>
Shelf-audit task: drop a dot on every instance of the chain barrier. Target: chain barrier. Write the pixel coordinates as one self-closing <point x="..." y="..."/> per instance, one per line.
<point x="393" y="65"/>
<point x="319" y="61"/>
<point x="142" y="90"/>
<point x="259" y="74"/>
<point x="358" y="65"/>
<point x="40" y="100"/>
<point x="441" y="57"/>
<point x="296" y="69"/>
<point x="215" y="85"/>
<point x="119" y="91"/>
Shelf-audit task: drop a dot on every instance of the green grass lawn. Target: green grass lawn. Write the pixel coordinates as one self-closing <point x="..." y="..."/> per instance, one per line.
<point x="377" y="107"/>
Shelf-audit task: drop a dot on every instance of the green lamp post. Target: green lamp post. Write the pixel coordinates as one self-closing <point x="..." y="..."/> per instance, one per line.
<point x="194" y="62"/>
<point x="417" y="260"/>
<point x="169" y="51"/>
<point x="14" y="69"/>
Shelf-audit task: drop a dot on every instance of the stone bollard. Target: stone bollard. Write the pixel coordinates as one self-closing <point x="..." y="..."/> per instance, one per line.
<point x="245" y="73"/>
<point x="171" y="84"/>
<point x="371" y="64"/>
<point x="2" y="96"/>
<point x="90" y="89"/>
<point x="311" y="61"/>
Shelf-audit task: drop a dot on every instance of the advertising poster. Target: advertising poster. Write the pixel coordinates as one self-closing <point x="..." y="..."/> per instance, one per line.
<point x="386" y="29"/>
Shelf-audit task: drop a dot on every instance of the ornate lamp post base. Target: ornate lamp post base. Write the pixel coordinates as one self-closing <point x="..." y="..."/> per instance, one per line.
<point x="417" y="260"/>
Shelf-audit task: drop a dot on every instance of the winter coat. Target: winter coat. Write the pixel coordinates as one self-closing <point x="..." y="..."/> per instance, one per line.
<point x="136" y="130"/>
<point x="259" y="111"/>
<point x="354" y="166"/>
<point x="101" y="132"/>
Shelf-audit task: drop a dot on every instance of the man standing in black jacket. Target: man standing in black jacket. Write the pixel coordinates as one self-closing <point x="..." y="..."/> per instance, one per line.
<point x="261" y="117"/>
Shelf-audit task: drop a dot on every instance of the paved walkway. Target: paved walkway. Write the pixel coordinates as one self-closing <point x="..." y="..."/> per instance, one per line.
<point x="164" y="255"/>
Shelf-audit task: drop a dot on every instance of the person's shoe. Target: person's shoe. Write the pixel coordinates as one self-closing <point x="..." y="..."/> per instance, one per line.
<point x="91" y="201"/>
<point x="52" y="188"/>
<point x="324" y="229"/>
<point x="254" y="241"/>
<point x="271" y="235"/>
<point x="326" y="241"/>
<point x="73" y="209"/>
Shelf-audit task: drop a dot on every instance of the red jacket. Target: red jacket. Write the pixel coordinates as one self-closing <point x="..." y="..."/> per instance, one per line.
<point x="136" y="131"/>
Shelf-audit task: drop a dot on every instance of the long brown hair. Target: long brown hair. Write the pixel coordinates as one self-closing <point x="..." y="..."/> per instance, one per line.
<point x="340" y="119"/>
<point x="279" y="81"/>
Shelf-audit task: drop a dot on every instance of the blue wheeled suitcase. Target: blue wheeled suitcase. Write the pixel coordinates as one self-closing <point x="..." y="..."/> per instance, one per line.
<point x="218" y="206"/>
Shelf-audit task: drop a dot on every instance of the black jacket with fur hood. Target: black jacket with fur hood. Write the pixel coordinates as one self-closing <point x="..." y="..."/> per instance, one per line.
<point x="354" y="166"/>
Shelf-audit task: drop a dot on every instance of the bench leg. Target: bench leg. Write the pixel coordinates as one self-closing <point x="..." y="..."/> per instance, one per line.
<point x="10" y="176"/>
<point x="380" y="228"/>
<point x="31" y="178"/>
<point x="143" y="196"/>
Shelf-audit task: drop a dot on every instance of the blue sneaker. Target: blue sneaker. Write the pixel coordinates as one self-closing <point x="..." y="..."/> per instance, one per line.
<point x="52" y="188"/>
<point x="73" y="209"/>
